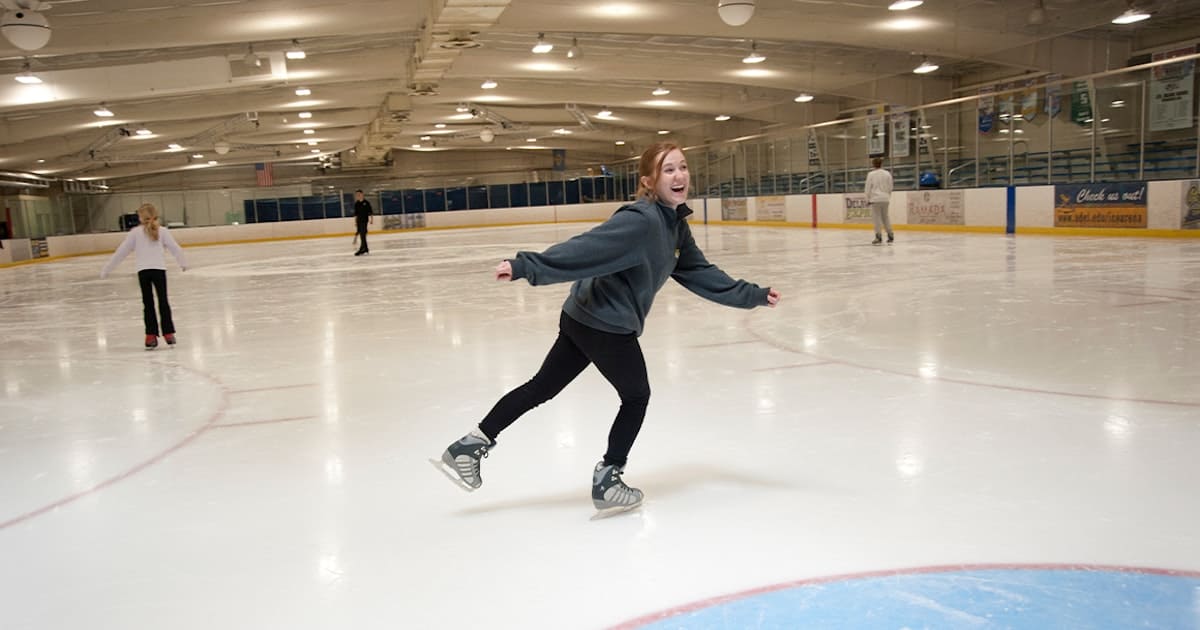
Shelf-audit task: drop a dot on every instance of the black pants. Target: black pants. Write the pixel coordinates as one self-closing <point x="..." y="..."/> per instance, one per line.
<point x="619" y="359"/>
<point x="362" y="235"/>
<point x="155" y="281"/>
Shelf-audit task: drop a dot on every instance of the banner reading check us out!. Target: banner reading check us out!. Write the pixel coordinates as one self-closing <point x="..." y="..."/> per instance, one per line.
<point x="1120" y="205"/>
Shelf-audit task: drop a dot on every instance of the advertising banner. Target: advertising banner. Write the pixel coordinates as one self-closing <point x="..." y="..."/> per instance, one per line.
<point x="1100" y="205"/>
<point x="935" y="207"/>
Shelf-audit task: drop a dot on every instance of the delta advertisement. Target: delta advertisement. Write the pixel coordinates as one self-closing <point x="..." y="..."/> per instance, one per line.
<point x="936" y="207"/>
<point x="857" y="208"/>
<point x="1100" y="205"/>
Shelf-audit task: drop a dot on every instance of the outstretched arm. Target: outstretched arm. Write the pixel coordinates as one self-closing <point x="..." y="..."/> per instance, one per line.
<point x="607" y="248"/>
<point x="119" y="255"/>
<point x="705" y="279"/>
<point x="175" y="249"/>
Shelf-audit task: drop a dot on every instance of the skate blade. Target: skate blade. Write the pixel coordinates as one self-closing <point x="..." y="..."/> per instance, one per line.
<point x="605" y="513"/>
<point x="450" y="474"/>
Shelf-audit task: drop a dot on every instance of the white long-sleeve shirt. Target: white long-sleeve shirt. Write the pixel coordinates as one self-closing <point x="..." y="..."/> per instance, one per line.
<point x="148" y="252"/>
<point x="879" y="186"/>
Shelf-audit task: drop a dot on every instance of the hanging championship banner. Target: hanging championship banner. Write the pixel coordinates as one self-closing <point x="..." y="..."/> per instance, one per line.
<point x="1053" y="95"/>
<point x="987" y="111"/>
<point x="814" y="150"/>
<point x="1171" y="91"/>
<point x="900" y="134"/>
<point x="1029" y="102"/>
<point x="876" y="136"/>
<point x="1081" y="103"/>
<point x="1004" y="103"/>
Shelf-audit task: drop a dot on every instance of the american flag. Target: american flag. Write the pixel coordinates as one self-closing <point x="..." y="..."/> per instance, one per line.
<point x="264" y="173"/>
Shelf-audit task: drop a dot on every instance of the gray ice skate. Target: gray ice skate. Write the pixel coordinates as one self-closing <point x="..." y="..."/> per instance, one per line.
<point x="460" y="462"/>
<point x="610" y="495"/>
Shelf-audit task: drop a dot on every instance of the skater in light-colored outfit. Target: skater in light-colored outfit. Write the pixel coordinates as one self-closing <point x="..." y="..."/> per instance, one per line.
<point x="147" y="242"/>
<point x="617" y="268"/>
<point x="879" y="194"/>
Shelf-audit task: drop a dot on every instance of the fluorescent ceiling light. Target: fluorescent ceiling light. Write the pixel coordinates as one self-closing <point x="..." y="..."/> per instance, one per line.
<point x="904" y="5"/>
<point x="212" y="162"/>
<point x="488" y="85"/>
<point x="803" y="98"/>
<point x="312" y="143"/>
<point x="295" y="52"/>
<point x="660" y="90"/>
<point x="198" y="156"/>
<point x="142" y="131"/>
<point x="303" y="91"/>
<point x="174" y="146"/>
<point x="926" y="67"/>
<point x="604" y="113"/>
<point x="619" y="142"/>
<point x="562" y="132"/>
<point x="531" y="140"/>
<point x="305" y="114"/>
<point x="103" y="111"/>
<point x="27" y="76"/>
<point x="1130" y="16"/>
<point x="542" y="47"/>
<point x="721" y="118"/>
<point x="309" y="131"/>
<point x="663" y="132"/>
<point x="754" y="56"/>
<point x="440" y="126"/>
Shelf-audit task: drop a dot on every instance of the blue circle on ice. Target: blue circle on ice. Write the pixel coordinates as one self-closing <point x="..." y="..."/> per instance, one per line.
<point x="1019" y="598"/>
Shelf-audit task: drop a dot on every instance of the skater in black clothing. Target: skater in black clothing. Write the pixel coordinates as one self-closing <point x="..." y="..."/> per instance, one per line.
<point x="617" y="268"/>
<point x="362" y="216"/>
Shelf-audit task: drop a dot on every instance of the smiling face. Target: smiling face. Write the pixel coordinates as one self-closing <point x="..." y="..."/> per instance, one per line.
<point x="670" y="183"/>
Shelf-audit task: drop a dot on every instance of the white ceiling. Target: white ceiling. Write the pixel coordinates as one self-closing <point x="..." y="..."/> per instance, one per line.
<point x="382" y="73"/>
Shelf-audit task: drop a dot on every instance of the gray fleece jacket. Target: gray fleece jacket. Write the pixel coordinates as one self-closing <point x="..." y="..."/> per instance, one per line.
<point x="619" y="265"/>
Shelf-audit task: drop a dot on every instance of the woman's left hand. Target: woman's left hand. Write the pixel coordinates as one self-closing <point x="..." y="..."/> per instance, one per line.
<point x="772" y="297"/>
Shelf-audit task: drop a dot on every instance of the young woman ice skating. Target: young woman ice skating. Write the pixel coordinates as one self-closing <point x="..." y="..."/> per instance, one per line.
<point x="147" y="242"/>
<point x="617" y="268"/>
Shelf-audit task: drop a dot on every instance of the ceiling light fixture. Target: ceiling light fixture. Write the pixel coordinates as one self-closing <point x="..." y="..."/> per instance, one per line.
<point x="574" y="52"/>
<point x="198" y="156"/>
<point x="1037" y="15"/>
<point x="804" y="97"/>
<point x="663" y="132"/>
<point x="1131" y="15"/>
<point x="531" y="140"/>
<point x="304" y="115"/>
<point x="309" y="132"/>
<point x="660" y="90"/>
<point x="722" y="118"/>
<point x="604" y="113"/>
<point x="212" y="162"/>
<point x="315" y="151"/>
<point x="142" y="131"/>
<point x="1117" y="104"/>
<point x="27" y="30"/>
<point x="303" y="91"/>
<point x="175" y="146"/>
<point x="488" y="84"/>
<point x="754" y="56"/>
<point x="296" y="52"/>
<point x="735" y="12"/>
<point x="619" y="143"/>
<point x="102" y="111"/>
<point x="926" y="66"/>
<point x="440" y="126"/>
<point x="904" y="5"/>
<point x="27" y="76"/>
<point x="251" y="60"/>
<point x="542" y="46"/>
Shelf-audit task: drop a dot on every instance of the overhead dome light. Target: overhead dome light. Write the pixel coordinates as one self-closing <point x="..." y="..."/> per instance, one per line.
<point x="574" y="52"/>
<point x="721" y="118"/>
<point x="542" y="46"/>
<point x="304" y="115"/>
<point x="754" y="56"/>
<point x="1130" y="16"/>
<point x="102" y="111"/>
<point x="660" y="90"/>
<point x="440" y="126"/>
<point x="309" y="132"/>
<point x="604" y="113"/>
<point x="735" y="12"/>
<point x="303" y="91"/>
<point x="488" y="85"/>
<point x="663" y="132"/>
<point x="296" y="52"/>
<point x="487" y="135"/>
<point x="251" y="60"/>
<point x="142" y="131"/>
<point x="803" y="98"/>
<point x="926" y="67"/>
<point x="904" y="5"/>
<point x="27" y="30"/>
<point x="619" y="143"/>
<point x="27" y="76"/>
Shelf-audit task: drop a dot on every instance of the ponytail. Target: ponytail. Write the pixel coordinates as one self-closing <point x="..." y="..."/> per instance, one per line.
<point x="149" y="216"/>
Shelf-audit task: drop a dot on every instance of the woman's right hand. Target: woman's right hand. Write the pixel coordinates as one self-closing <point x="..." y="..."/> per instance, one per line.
<point x="504" y="271"/>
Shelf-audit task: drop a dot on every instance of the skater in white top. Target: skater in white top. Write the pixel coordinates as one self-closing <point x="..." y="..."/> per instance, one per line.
<point x="879" y="193"/>
<point x="147" y="242"/>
